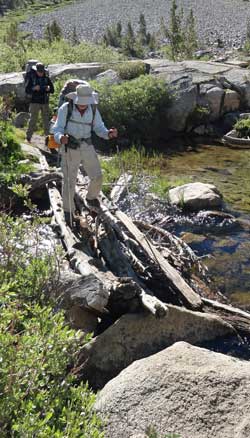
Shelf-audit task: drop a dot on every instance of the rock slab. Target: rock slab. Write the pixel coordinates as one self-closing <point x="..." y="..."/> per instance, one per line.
<point x="135" y="336"/>
<point x="182" y="390"/>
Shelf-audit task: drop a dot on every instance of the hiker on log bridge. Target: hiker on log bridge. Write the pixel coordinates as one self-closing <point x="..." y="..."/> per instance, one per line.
<point x="75" y="123"/>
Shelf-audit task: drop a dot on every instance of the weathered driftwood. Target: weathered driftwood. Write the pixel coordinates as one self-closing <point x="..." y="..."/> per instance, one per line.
<point x="169" y="273"/>
<point x="238" y="319"/>
<point x="186" y="292"/>
<point x="120" y="190"/>
<point x="40" y="180"/>
<point x="176" y="246"/>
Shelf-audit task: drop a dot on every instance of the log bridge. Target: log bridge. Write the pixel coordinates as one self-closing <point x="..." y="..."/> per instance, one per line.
<point x="131" y="266"/>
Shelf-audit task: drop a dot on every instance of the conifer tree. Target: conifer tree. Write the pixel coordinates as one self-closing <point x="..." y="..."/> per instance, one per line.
<point x="191" y="36"/>
<point x="142" y="33"/>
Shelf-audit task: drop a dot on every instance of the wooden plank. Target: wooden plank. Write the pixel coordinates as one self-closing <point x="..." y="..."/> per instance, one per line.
<point x="186" y="292"/>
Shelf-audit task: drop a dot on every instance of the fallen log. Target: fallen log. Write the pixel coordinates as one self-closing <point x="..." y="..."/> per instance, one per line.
<point x="104" y="281"/>
<point x="237" y="318"/>
<point x="184" y="290"/>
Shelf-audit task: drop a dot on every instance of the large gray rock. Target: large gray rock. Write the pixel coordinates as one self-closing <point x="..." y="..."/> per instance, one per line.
<point x="76" y="290"/>
<point x="21" y="120"/>
<point x="135" y="336"/>
<point x="195" y="196"/>
<point x="13" y="83"/>
<point x="109" y="77"/>
<point x="183" y="105"/>
<point x="214" y="98"/>
<point x="182" y="390"/>
<point x="231" y="102"/>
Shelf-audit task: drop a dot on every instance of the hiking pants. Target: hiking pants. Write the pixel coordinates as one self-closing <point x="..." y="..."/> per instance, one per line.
<point x="34" y="109"/>
<point x="71" y="160"/>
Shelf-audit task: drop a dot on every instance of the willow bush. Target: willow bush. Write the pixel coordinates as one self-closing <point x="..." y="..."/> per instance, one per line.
<point x="137" y="107"/>
<point x="39" y="394"/>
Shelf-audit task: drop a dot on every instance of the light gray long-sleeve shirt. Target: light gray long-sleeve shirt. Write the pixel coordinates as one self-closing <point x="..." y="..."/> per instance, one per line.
<point x="79" y="126"/>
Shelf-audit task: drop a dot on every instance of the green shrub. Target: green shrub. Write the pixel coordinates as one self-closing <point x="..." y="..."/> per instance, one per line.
<point x="39" y="394"/>
<point x="198" y="116"/>
<point x="242" y="128"/>
<point x="130" y="70"/>
<point x="136" y="161"/>
<point x="10" y="155"/>
<point x="53" y="52"/>
<point x="137" y="107"/>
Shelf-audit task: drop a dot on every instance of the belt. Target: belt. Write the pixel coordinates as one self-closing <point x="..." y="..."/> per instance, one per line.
<point x="84" y="139"/>
<point x="87" y="140"/>
<point x="75" y="143"/>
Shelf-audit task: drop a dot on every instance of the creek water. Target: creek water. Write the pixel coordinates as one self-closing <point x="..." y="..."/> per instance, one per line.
<point x="225" y="248"/>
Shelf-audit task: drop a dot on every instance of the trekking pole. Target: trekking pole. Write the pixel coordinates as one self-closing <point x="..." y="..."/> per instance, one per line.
<point x="67" y="167"/>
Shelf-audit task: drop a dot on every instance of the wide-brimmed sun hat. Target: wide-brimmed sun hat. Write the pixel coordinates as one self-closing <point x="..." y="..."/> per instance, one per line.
<point x="84" y="95"/>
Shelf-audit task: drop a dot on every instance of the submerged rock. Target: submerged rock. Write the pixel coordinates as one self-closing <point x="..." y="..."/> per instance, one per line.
<point x="196" y="196"/>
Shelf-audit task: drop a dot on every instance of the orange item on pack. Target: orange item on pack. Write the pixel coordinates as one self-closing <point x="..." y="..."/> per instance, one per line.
<point x="52" y="144"/>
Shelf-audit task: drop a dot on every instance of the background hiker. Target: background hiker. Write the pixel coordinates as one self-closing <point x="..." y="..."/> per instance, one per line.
<point x="74" y="133"/>
<point x="39" y="86"/>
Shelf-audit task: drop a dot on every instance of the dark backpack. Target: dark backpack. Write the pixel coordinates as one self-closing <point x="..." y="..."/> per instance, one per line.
<point x="30" y="74"/>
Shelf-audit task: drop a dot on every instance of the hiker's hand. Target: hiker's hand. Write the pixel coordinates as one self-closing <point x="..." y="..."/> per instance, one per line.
<point x="36" y="88"/>
<point x="64" y="139"/>
<point x="47" y="88"/>
<point x="113" y="133"/>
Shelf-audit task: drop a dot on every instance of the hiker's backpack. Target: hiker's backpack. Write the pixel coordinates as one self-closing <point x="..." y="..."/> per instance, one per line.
<point x="69" y="87"/>
<point x="31" y="74"/>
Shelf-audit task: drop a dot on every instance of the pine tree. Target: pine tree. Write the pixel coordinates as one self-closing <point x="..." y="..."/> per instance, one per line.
<point x="142" y="33"/>
<point x="191" y="43"/>
<point x="53" y="32"/>
<point x="75" y="39"/>
<point x="175" y="31"/>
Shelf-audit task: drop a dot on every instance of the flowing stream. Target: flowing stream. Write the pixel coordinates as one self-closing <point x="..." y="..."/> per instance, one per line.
<point x="226" y="249"/>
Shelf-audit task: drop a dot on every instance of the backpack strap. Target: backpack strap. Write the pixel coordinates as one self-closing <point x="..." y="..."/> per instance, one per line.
<point x="70" y="110"/>
<point x="94" y="107"/>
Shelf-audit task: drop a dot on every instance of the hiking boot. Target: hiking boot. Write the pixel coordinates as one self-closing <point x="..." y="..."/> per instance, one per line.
<point x="93" y="204"/>
<point x="28" y="139"/>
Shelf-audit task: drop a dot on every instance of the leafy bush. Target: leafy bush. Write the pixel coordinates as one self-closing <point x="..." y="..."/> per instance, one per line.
<point x="10" y="155"/>
<point x="242" y="128"/>
<point x="137" y="107"/>
<point x="130" y="70"/>
<point x="198" y="116"/>
<point x="39" y="395"/>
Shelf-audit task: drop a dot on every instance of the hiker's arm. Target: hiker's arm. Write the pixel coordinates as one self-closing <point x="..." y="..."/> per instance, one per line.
<point x="60" y="124"/>
<point x="99" y="127"/>
<point x="51" y="87"/>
